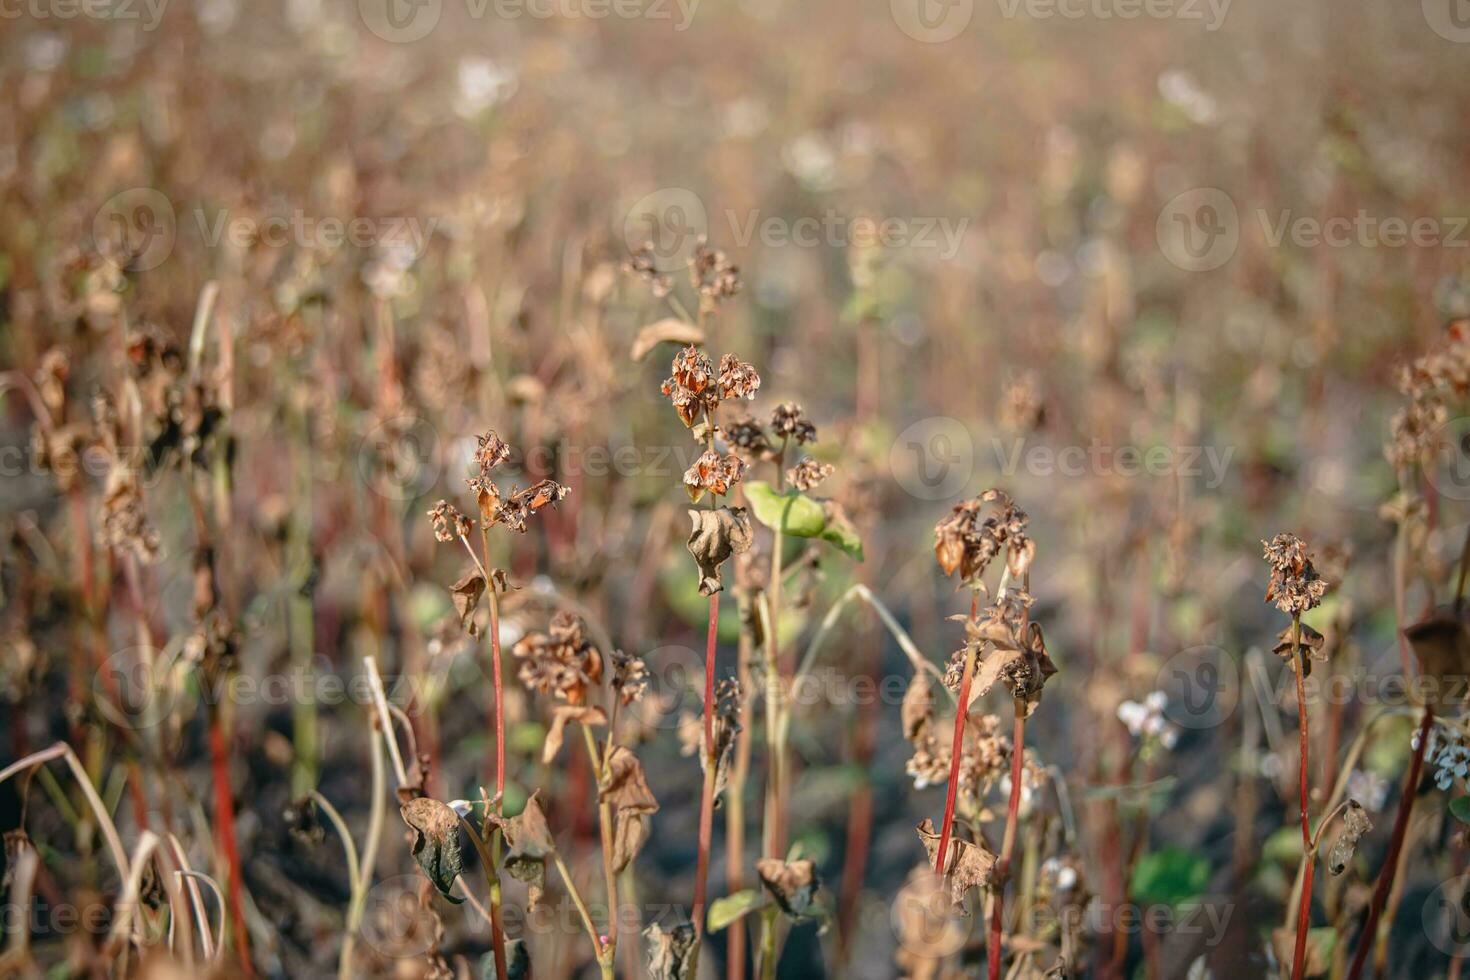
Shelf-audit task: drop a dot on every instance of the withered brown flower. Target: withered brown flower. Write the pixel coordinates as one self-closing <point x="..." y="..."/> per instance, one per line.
<point x="644" y="264"/>
<point x="713" y="274"/>
<point x="713" y="473"/>
<point x="125" y="525"/>
<point x="490" y="452"/>
<point x="737" y="378"/>
<point x="809" y="473"/>
<point x="967" y="542"/>
<point x="561" y="662"/>
<point x="691" y="388"/>
<point x="746" y="433"/>
<point x="1295" y="585"/>
<point x="629" y="676"/>
<point x="449" y="523"/>
<point x="790" y="422"/>
<point x="523" y="503"/>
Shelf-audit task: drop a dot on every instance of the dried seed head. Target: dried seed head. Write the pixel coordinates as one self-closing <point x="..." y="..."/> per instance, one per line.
<point x="643" y="263"/>
<point x="1295" y="585"/>
<point x="691" y="387"/>
<point x="809" y="473"/>
<point x="714" y="474"/>
<point x="491" y="452"/>
<point x="967" y="542"/>
<point x="523" y="503"/>
<point x="125" y="525"/>
<point x="746" y="433"/>
<point x="789" y="421"/>
<point x="561" y="662"/>
<point x="713" y="274"/>
<point x="629" y="676"/>
<point x="449" y="523"/>
<point x="737" y="378"/>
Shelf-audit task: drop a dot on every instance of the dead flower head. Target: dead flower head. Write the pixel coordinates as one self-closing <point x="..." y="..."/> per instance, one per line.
<point x="713" y="274"/>
<point x="691" y="387"/>
<point x="737" y="378"/>
<point x="1295" y="585"/>
<point x="629" y="676"/>
<point x="644" y="264"/>
<point x="746" y="433"/>
<point x="968" y="540"/>
<point x="125" y="525"/>
<point x="524" y="503"/>
<point x="449" y="523"/>
<point x="790" y="422"/>
<point x="713" y="473"/>
<point x="561" y="662"/>
<point x="490" y="452"/>
<point x="809" y="473"/>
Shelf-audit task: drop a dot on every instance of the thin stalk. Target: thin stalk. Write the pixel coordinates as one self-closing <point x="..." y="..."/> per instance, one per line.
<point x="491" y="868"/>
<point x="605" y="824"/>
<point x="224" y="805"/>
<point x="707" y="793"/>
<point x="1396" y="843"/>
<point x="1304" y="911"/>
<point x="566" y="876"/>
<point x="1008" y="843"/>
<point x="354" y="878"/>
<point x="956" y="747"/>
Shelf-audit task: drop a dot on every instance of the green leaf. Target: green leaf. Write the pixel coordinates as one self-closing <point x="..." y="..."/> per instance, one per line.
<point x="838" y="532"/>
<point x="723" y="911"/>
<point x="1170" y="876"/>
<point x="793" y="512"/>
<point x="1460" y="808"/>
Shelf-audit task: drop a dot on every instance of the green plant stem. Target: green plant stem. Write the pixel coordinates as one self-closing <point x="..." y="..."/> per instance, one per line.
<point x="1008" y="843"/>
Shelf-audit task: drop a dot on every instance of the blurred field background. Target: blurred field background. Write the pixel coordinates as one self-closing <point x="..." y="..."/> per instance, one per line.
<point x="1063" y="313"/>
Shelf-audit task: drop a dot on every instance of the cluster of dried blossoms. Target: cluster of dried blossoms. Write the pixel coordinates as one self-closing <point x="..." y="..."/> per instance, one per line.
<point x="969" y="539"/>
<point x="711" y="273"/>
<point x="1295" y="585"/>
<point x="562" y="662"/>
<point x="984" y="757"/>
<point x="1430" y="383"/>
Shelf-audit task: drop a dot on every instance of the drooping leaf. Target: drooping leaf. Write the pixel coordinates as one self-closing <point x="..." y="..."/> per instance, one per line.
<point x="839" y="532"/>
<point x="966" y="865"/>
<point x="436" y="842"/>
<point x="466" y="594"/>
<point x="667" y="330"/>
<point x="723" y="911"/>
<point x="563" y="715"/>
<point x="671" y="951"/>
<point x="530" y="844"/>
<point x="793" y="884"/>
<point x="715" y="535"/>
<point x="624" y="786"/>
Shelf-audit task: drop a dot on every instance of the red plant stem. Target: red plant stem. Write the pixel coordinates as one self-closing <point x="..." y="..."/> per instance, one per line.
<point x="1396" y="843"/>
<point x="1003" y="866"/>
<point x="224" y="819"/>
<point x="1304" y="913"/>
<point x="707" y="798"/>
<point x="961" y="711"/>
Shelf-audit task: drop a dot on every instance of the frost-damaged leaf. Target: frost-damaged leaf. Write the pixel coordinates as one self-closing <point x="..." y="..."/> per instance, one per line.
<point x="1355" y="824"/>
<point x="626" y="789"/>
<point x="563" y="715"/>
<point x="466" y="595"/>
<point x="436" y="842"/>
<point x="671" y="951"/>
<point x="793" y="884"/>
<point x="967" y="865"/>
<point x="1320" y="943"/>
<point x="667" y="330"/>
<point x="530" y="844"/>
<point x="517" y="962"/>
<point x="715" y="536"/>
<point x="723" y="911"/>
